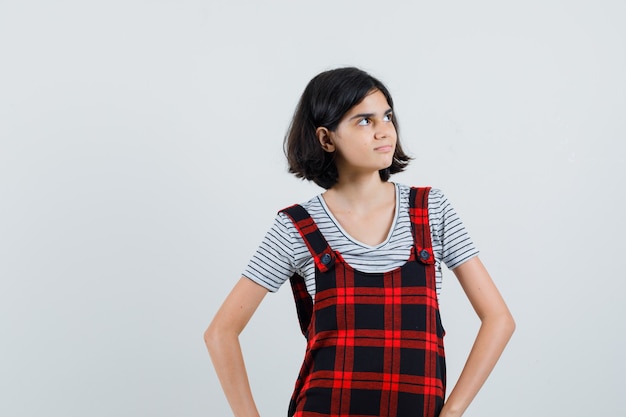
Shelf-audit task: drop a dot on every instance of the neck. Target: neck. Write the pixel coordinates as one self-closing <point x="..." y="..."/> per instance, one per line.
<point x="360" y="192"/>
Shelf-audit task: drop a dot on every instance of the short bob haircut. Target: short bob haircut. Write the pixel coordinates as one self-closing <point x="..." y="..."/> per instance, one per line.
<point x="324" y="102"/>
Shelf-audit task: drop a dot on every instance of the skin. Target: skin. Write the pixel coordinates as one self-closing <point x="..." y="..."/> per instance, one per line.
<point x="364" y="143"/>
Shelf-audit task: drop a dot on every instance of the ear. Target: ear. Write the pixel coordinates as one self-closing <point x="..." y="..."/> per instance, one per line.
<point x="325" y="139"/>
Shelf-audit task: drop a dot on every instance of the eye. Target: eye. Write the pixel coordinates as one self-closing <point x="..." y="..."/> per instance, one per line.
<point x="364" y="121"/>
<point x="388" y="117"/>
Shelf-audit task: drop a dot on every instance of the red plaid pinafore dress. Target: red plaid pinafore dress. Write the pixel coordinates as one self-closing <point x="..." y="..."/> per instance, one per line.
<point x="374" y="340"/>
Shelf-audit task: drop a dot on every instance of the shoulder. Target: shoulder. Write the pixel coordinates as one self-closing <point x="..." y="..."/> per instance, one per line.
<point x="312" y="203"/>
<point x="312" y="207"/>
<point x="437" y="200"/>
<point x="436" y="197"/>
<point x="285" y="220"/>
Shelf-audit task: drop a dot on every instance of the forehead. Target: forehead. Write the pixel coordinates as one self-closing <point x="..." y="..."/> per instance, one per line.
<point x="374" y="102"/>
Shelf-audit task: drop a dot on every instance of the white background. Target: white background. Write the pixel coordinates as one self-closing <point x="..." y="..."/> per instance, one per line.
<point x="141" y="164"/>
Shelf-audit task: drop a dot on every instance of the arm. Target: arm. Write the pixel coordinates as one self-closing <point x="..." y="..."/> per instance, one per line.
<point x="222" y="340"/>
<point x="496" y="328"/>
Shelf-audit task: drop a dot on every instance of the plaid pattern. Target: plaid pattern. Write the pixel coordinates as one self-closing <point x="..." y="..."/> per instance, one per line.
<point x="374" y="340"/>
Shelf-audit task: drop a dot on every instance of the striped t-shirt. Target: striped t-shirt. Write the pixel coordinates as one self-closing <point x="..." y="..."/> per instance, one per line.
<point x="283" y="251"/>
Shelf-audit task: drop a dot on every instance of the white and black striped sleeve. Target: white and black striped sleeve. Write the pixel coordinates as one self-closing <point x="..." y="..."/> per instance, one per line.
<point x="273" y="262"/>
<point x="449" y="233"/>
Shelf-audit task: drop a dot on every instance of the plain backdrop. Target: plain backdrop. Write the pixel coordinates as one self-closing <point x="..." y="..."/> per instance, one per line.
<point x="141" y="164"/>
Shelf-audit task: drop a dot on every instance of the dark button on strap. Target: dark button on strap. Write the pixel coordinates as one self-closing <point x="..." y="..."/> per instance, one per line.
<point x="424" y="254"/>
<point x="326" y="258"/>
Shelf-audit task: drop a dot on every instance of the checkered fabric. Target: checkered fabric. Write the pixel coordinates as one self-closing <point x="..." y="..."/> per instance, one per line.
<point x="374" y="340"/>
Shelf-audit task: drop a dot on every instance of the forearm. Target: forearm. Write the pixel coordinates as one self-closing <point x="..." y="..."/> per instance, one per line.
<point x="227" y="358"/>
<point x="492" y="337"/>
<point x="222" y="341"/>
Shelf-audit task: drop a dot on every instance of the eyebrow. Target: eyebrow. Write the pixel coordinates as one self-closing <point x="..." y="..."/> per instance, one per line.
<point x="368" y="115"/>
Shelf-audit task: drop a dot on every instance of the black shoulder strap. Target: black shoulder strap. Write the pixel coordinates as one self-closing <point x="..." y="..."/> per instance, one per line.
<point x="323" y="255"/>
<point x="418" y="212"/>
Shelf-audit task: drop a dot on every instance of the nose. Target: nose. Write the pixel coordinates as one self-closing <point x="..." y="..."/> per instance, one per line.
<point x="385" y="130"/>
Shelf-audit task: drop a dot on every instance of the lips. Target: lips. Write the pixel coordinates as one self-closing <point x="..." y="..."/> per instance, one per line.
<point x="384" y="148"/>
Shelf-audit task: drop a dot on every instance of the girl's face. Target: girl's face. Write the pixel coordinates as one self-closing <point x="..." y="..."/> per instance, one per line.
<point x="365" y="139"/>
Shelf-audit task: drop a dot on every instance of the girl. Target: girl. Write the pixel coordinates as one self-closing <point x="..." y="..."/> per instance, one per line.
<point x="363" y="260"/>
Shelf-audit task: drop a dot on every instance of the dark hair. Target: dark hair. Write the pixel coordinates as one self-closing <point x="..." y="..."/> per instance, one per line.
<point x="324" y="102"/>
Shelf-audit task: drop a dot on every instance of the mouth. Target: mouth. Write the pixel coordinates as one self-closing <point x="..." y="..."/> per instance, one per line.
<point x="384" y="148"/>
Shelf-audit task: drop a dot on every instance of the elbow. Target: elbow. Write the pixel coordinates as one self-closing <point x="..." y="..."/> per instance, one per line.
<point x="503" y="323"/>
<point x="218" y="337"/>
<point x="211" y="336"/>
<point x="508" y="324"/>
